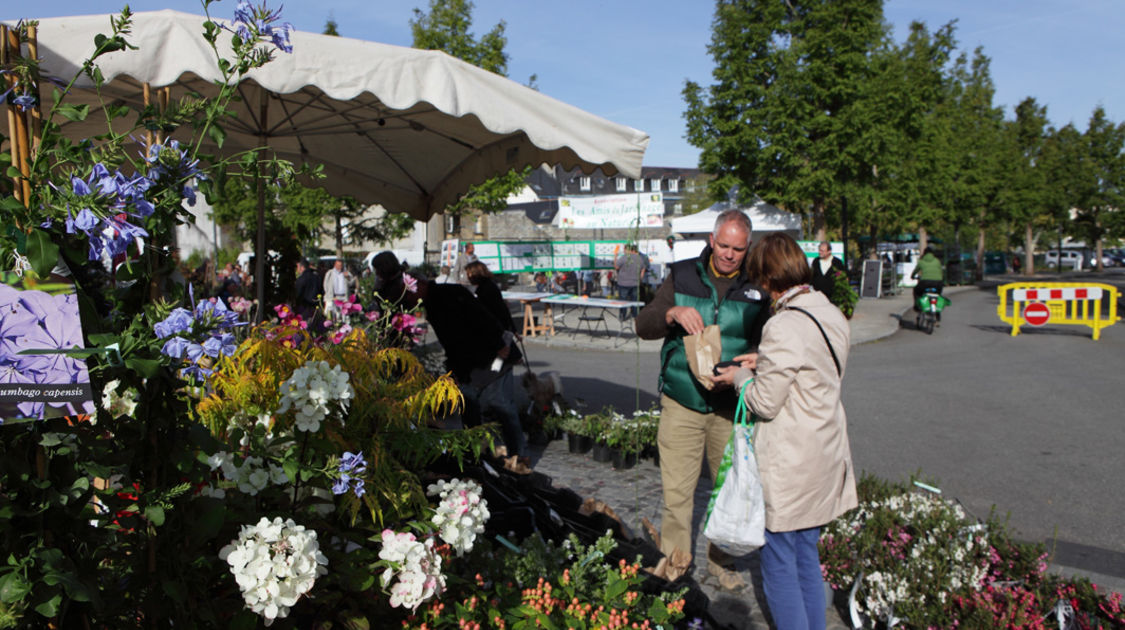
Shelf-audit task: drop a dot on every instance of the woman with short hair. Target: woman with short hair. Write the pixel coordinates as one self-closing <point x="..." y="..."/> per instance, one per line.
<point x="800" y="432"/>
<point x="489" y="294"/>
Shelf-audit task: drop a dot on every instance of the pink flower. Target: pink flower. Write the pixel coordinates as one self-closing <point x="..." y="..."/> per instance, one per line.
<point x="349" y="306"/>
<point x="340" y="333"/>
<point x="372" y="315"/>
<point x="402" y="321"/>
<point x="411" y="283"/>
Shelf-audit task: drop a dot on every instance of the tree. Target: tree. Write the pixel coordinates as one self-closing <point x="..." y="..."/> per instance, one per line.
<point x="1028" y="203"/>
<point x="917" y="157"/>
<point x="1104" y="142"/>
<point x="446" y="26"/>
<point x="781" y="118"/>
<point x="978" y="144"/>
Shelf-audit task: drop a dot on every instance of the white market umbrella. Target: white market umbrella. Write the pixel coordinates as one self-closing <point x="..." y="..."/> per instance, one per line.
<point x="405" y="128"/>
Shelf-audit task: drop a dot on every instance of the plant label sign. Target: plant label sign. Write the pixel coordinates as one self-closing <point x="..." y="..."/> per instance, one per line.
<point x="38" y="324"/>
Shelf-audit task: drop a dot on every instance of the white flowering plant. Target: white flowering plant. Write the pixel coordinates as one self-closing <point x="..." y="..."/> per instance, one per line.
<point x="909" y="551"/>
<point x="461" y="513"/>
<point x="315" y="392"/>
<point x="118" y="403"/>
<point x="415" y="563"/>
<point x="275" y="563"/>
<point x="908" y="557"/>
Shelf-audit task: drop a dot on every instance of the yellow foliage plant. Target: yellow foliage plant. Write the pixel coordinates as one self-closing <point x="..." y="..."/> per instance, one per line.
<point x="390" y="419"/>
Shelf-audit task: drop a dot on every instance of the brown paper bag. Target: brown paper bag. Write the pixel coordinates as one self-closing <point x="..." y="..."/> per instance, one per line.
<point x="704" y="350"/>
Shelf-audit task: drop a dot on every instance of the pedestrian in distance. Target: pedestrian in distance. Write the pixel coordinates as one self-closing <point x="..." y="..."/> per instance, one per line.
<point x="466" y="256"/>
<point x="800" y="434"/>
<point x="631" y="267"/>
<point x="694" y="421"/>
<point x="308" y="290"/>
<point x="823" y="268"/>
<point x="338" y="285"/>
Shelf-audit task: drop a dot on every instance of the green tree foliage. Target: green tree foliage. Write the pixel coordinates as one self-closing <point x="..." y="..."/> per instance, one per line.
<point x="979" y="148"/>
<point x="908" y="132"/>
<point x="781" y="119"/>
<point x="1102" y="216"/>
<point x="446" y="26"/>
<point x="1028" y="204"/>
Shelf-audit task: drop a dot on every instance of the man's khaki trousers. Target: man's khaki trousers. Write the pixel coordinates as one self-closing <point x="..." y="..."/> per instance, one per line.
<point x="683" y="437"/>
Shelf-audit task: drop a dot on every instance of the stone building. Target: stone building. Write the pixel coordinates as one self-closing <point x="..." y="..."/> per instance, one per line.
<point x="532" y="215"/>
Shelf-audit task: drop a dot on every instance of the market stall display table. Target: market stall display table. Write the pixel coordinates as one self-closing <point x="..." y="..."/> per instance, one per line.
<point x="528" y="300"/>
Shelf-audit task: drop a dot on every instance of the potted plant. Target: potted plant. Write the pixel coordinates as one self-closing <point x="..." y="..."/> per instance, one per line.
<point x="624" y="438"/>
<point x="578" y="438"/>
<point x="601" y="428"/>
<point x="648" y="426"/>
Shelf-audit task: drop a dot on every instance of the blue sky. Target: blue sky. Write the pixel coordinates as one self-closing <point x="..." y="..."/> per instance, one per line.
<point x="627" y="60"/>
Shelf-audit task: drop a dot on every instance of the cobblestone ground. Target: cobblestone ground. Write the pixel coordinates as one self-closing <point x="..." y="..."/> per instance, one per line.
<point x="635" y="494"/>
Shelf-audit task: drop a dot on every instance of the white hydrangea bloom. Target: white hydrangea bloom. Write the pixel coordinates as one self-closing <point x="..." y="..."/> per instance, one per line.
<point x="274" y="563"/>
<point x="417" y="565"/>
<point x="313" y="391"/>
<point x="123" y="404"/>
<point x="252" y="476"/>
<point x="461" y="513"/>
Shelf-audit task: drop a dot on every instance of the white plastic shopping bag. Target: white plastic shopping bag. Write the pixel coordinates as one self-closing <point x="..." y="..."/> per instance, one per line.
<point x="736" y="514"/>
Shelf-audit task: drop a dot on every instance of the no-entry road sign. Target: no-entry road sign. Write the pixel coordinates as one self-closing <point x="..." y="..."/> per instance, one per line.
<point x="1036" y="314"/>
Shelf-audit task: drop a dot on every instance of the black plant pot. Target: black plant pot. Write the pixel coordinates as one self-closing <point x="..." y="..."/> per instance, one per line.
<point x="602" y="452"/>
<point x="623" y="460"/>
<point x="579" y="443"/>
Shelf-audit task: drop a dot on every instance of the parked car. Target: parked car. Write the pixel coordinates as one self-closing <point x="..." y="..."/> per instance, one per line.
<point x="1118" y="256"/>
<point x="1108" y="259"/>
<point x="1071" y="258"/>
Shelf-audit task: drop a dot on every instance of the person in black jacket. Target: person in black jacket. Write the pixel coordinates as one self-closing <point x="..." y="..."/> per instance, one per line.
<point x="490" y="295"/>
<point x="308" y="290"/>
<point x="473" y="340"/>
<point x="823" y="266"/>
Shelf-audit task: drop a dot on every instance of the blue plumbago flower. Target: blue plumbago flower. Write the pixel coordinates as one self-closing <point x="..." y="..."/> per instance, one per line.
<point x="27" y="100"/>
<point x="178" y="321"/>
<point x="342" y="485"/>
<point x="228" y="344"/>
<point x="212" y="347"/>
<point x="172" y="164"/>
<point x="353" y="463"/>
<point x="253" y="23"/>
<point x="175" y="347"/>
<point x="350" y="464"/>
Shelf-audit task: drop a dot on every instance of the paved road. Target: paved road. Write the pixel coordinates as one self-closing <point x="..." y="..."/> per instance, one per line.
<point x="1029" y="425"/>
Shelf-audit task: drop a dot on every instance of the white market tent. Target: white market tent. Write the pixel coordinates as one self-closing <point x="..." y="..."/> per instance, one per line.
<point x="693" y="229"/>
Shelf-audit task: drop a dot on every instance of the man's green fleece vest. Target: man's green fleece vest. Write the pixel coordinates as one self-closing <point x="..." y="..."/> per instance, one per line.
<point x="736" y="315"/>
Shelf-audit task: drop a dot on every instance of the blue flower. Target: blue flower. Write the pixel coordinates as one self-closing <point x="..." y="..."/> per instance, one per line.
<point x="175" y="347"/>
<point x="228" y="344"/>
<point x="254" y="23"/>
<point x="353" y="463"/>
<point x="358" y="488"/>
<point x="194" y="351"/>
<point x="26" y="100"/>
<point x="79" y="186"/>
<point x="189" y="194"/>
<point x="86" y="220"/>
<point x="341" y="485"/>
<point x="279" y="35"/>
<point x="179" y="320"/>
<point x="212" y="347"/>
